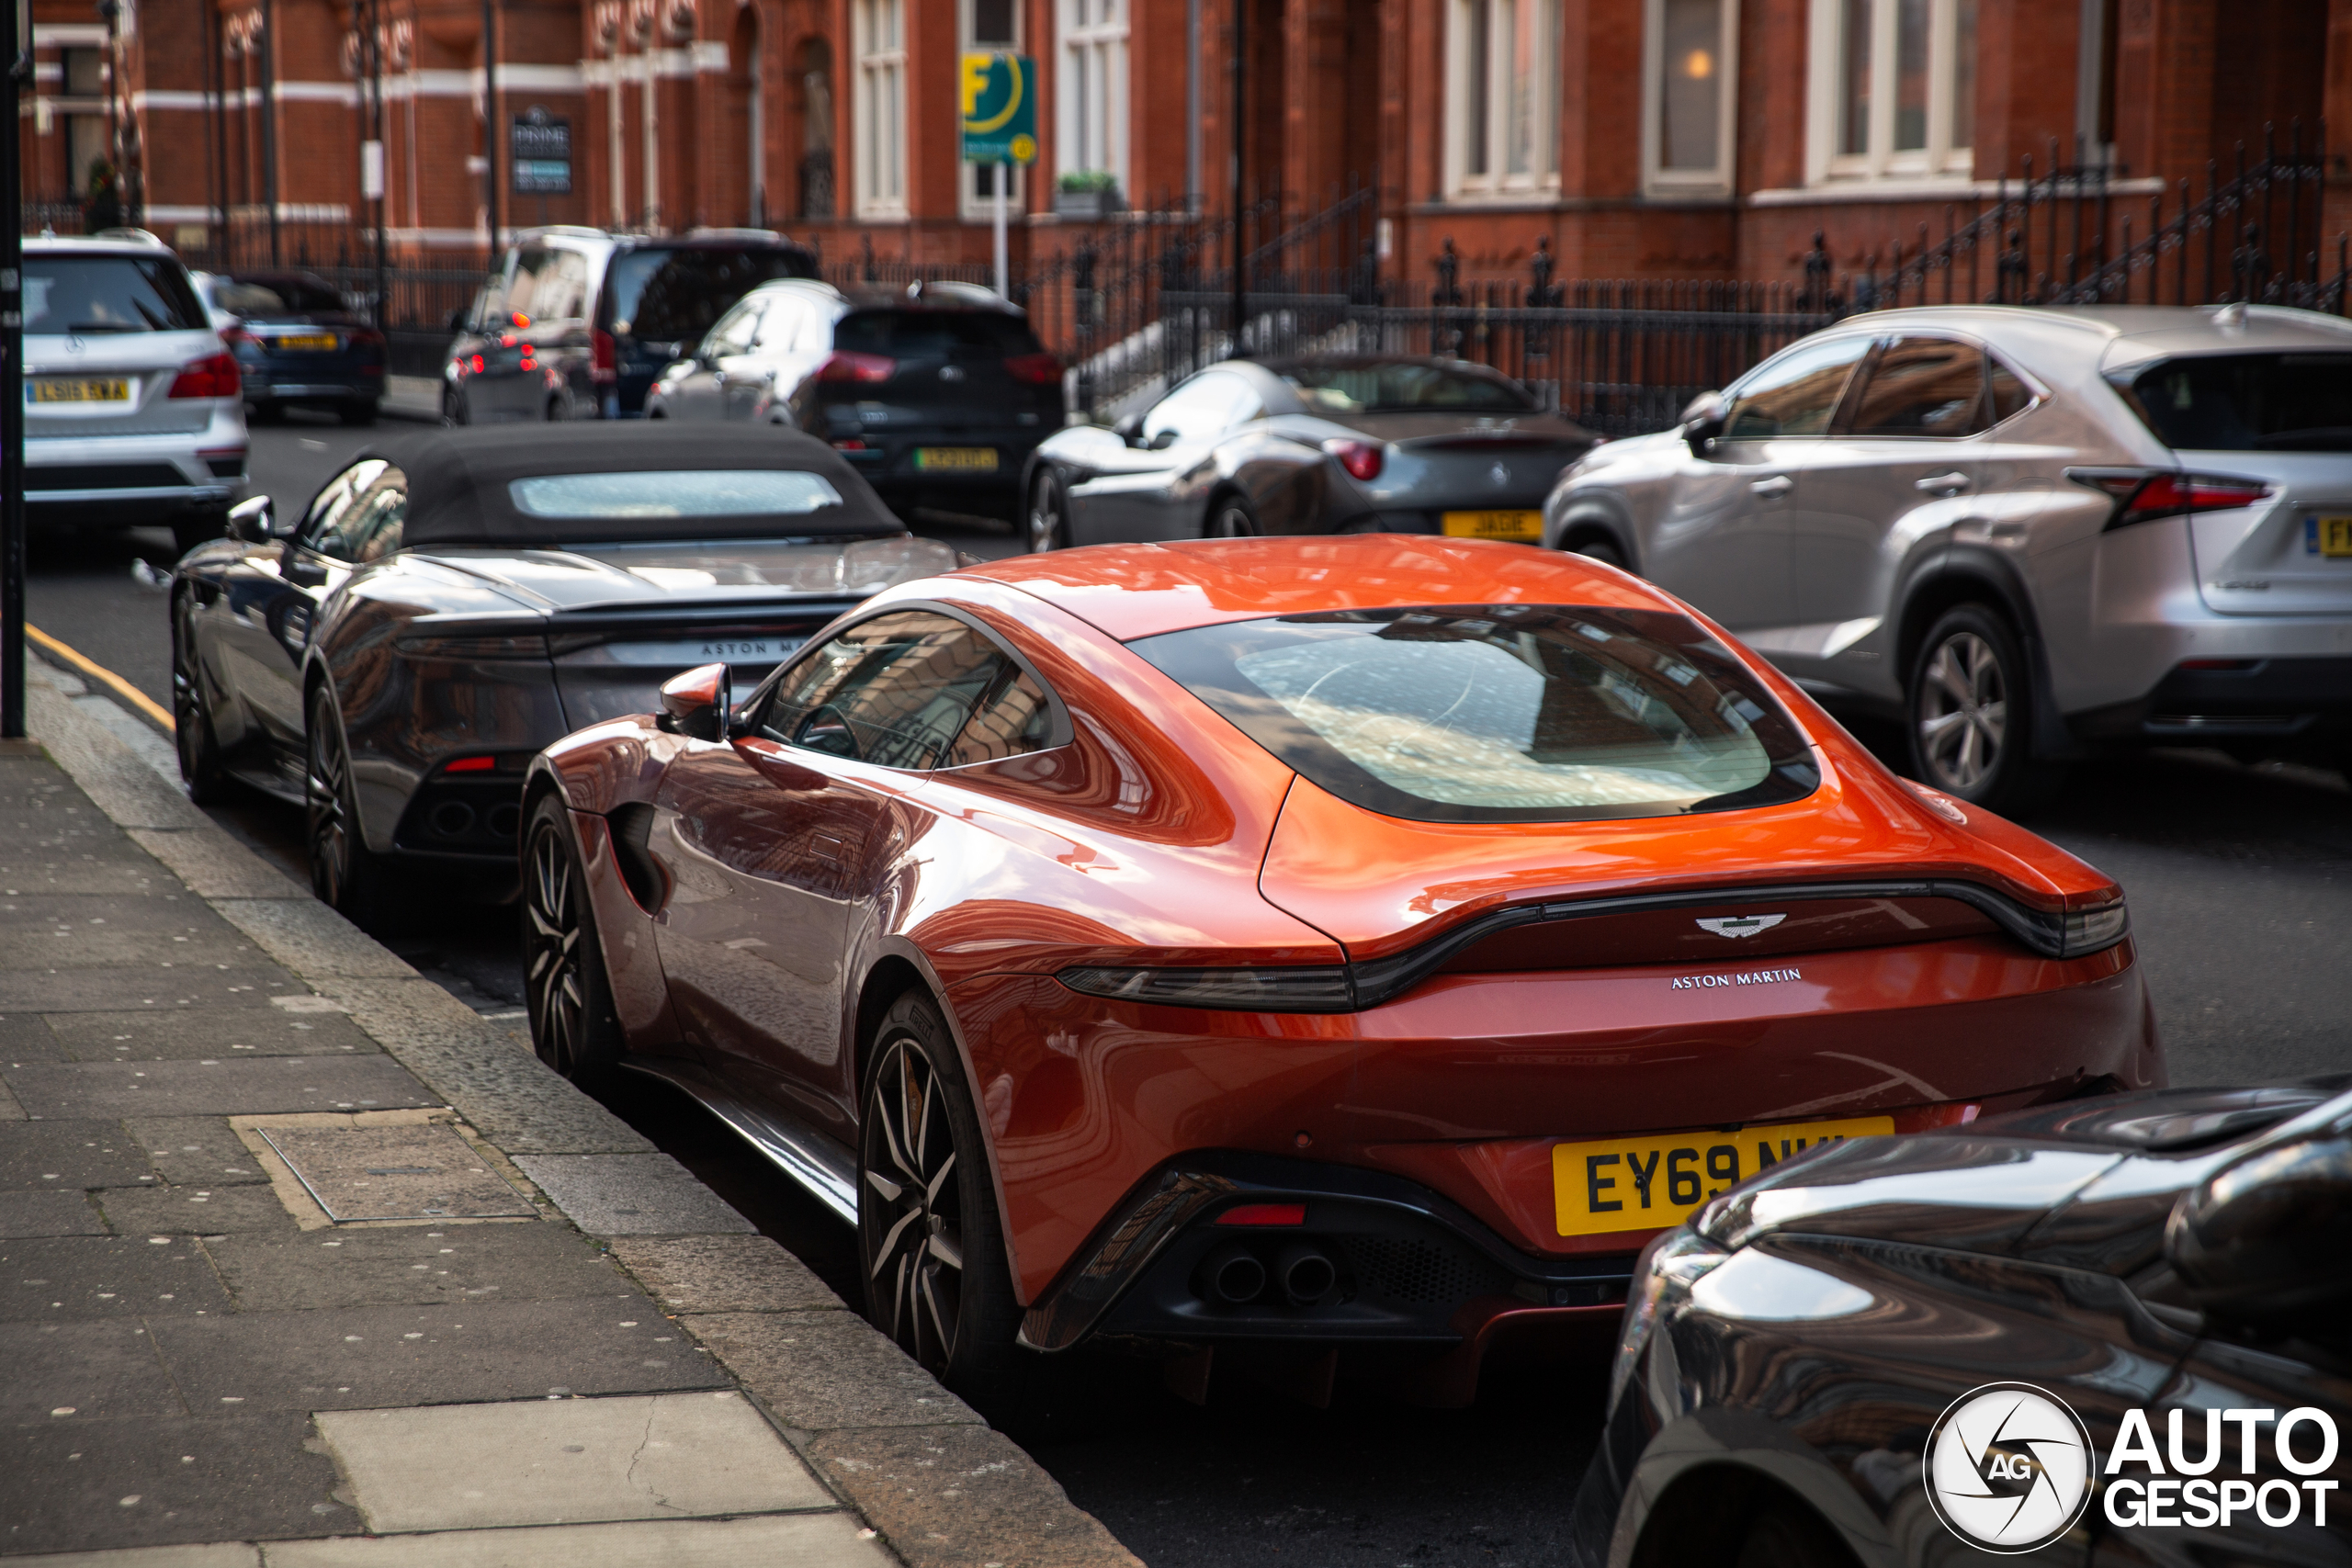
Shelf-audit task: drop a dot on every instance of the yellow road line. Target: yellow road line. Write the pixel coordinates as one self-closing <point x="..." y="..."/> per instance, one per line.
<point x="104" y="676"/>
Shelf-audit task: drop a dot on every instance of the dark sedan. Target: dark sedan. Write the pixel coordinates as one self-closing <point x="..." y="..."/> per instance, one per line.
<point x="1352" y="445"/>
<point x="2110" y="1331"/>
<point x="391" y="656"/>
<point x="298" y="342"/>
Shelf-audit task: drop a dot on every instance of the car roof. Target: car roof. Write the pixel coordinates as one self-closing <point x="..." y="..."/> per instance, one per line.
<point x="2109" y="335"/>
<point x="95" y="246"/>
<point x="1139" y="591"/>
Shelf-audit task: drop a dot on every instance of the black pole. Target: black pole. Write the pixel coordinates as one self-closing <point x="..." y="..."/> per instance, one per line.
<point x="489" y="118"/>
<point x="1240" y="154"/>
<point x="17" y="72"/>
<point x="269" y="124"/>
<point x="374" y="44"/>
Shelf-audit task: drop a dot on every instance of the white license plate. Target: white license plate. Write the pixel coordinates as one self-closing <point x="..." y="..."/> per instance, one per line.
<point x="715" y="650"/>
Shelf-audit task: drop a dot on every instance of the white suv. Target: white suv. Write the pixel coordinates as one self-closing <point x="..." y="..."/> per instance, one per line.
<point x="133" y="411"/>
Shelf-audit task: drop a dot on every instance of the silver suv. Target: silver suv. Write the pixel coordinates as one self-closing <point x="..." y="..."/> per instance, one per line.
<point x="2031" y="533"/>
<point x="134" y="414"/>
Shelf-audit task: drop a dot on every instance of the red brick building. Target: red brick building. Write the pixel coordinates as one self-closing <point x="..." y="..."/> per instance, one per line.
<point x="1639" y="138"/>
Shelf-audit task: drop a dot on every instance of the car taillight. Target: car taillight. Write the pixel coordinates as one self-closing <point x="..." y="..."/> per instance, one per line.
<point x="214" y="376"/>
<point x="1037" y="370"/>
<point x="1362" y="459"/>
<point x="237" y="337"/>
<point x="2143" y="495"/>
<point x="604" y="359"/>
<point x="846" y="366"/>
<point x="367" y="337"/>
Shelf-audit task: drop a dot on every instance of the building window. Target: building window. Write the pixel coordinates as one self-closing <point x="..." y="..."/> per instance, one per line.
<point x="880" y="27"/>
<point x="988" y="24"/>
<point x="1689" y="60"/>
<point x="1899" y="101"/>
<point x="1503" y="99"/>
<point x="1091" y="137"/>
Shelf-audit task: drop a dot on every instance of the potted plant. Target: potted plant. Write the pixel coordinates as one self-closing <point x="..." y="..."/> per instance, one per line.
<point x="1090" y="194"/>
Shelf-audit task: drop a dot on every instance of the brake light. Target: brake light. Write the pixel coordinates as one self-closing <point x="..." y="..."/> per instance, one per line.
<point x="1362" y="459"/>
<point x="1264" y="1214"/>
<point x="2141" y="496"/>
<point x="850" y="444"/>
<point x="1037" y="370"/>
<point x="214" y="376"/>
<point x="367" y="337"/>
<point x="471" y="765"/>
<point x="865" y="368"/>
<point x="604" y="359"/>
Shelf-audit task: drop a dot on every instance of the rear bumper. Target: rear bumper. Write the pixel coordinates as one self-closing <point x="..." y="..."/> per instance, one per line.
<point x="1429" y="517"/>
<point x="116" y="481"/>
<point x="2305" y="701"/>
<point x="889" y="465"/>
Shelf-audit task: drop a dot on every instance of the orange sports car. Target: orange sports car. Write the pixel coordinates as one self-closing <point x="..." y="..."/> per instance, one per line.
<point x="1320" y="947"/>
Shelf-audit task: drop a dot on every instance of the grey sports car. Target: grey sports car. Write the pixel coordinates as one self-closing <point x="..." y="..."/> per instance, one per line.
<point x="392" y="656"/>
<point x="1337" y="445"/>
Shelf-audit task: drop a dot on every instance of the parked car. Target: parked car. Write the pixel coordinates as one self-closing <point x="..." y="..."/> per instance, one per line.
<point x="1990" y="1338"/>
<point x="390" y="656"/>
<point x="1309" y="946"/>
<point x="937" y="393"/>
<point x="576" y="323"/>
<point x="1359" y="444"/>
<point x="298" y="342"/>
<point x="132" y="409"/>
<point x="2028" y="533"/>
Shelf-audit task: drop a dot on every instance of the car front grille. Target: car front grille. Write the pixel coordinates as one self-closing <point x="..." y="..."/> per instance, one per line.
<point x="105" y="476"/>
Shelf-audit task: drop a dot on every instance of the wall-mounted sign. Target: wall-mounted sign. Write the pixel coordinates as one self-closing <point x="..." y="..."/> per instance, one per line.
<point x="997" y="101"/>
<point x="540" y="154"/>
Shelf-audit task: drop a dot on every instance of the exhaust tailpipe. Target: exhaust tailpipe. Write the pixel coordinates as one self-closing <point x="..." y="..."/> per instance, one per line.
<point x="1307" y="1274"/>
<point x="1231" y="1276"/>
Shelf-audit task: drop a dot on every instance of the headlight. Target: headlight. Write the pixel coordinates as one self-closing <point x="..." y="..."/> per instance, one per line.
<point x="1671" y="1265"/>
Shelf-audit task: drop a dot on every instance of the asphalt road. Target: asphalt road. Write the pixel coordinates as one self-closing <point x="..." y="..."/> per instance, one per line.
<point x="2241" y="887"/>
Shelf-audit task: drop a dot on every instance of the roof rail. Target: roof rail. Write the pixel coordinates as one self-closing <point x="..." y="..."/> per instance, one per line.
<point x="721" y="232"/>
<point x="140" y="236"/>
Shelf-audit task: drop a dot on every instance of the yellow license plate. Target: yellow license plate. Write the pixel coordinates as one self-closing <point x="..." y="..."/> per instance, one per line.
<point x="79" y="391"/>
<point x="305" y="342"/>
<point x="1520" y="528"/>
<point x="2333" y="535"/>
<point x="956" y="459"/>
<point x="1625" y="1184"/>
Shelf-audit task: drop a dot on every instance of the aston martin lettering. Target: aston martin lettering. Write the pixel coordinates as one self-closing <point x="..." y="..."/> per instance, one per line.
<point x="1746" y="977"/>
<point x="1741" y="925"/>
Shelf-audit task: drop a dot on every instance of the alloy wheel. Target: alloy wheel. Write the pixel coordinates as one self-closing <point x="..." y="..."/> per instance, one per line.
<point x="327" y="787"/>
<point x="1233" y="521"/>
<point x="1045" y="526"/>
<point x="911" y="1216"/>
<point x="191" y="723"/>
<point x="551" y="970"/>
<point x="1962" y="713"/>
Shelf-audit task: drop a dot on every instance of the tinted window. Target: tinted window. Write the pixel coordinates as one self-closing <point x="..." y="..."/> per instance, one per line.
<point x="713" y="492"/>
<point x="1923" y="385"/>
<point x="109" y="293"/>
<point x="1201" y="408"/>
<point x="934" y="334"/>
<point x="676" y="295"/>
<point x="895" y="691"/>
<point x="2010" y="394"/>
<point x="1364" y="389"/>
<point x="1514" y="713"/>
<point x="1013" y="718"/>
<point x="275" y="296"/>
<point x="334" y="497"/>
<point x="1795" y="394"/>
<point x="735" y="330"/>
<point x="2248" y="403"/>
<point x="363" y="523"/>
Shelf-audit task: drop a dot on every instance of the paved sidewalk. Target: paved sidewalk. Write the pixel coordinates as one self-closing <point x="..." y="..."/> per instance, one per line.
<point x="304" y="1264"/>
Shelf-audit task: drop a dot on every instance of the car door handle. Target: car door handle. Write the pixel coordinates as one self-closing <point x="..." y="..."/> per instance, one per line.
<point x="1942" y="484"/>
<point x="1774" y="488"/>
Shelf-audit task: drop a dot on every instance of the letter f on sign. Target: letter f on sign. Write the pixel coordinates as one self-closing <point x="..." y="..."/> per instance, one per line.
<point x="976" y="81"/>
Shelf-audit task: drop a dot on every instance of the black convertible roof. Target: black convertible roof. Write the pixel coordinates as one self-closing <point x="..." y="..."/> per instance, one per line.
<point x="457" y="482"/>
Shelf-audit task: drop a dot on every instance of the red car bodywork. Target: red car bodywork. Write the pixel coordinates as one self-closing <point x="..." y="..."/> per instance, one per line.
<point x="798" y="893"/>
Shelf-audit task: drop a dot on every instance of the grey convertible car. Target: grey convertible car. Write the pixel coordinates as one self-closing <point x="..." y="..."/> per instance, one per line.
<point x="1339" y="445"/>
<point x="392" y="656"/>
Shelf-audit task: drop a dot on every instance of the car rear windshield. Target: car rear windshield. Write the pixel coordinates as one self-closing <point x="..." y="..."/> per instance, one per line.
<point x="2246" y="402"/>
<point x="752" y="493"/>
<point x="252" y="297"/>
<point x="1373" y="388"/>
<point x="935" y="334"/>
<point x="109" y="293"/>
<point x="1500" y="713"/>
<point x="677" y="294"/>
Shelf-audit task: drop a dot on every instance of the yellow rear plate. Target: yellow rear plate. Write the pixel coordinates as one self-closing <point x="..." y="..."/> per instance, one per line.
<point x="956" y="459"/>
<point x="77" y="391"/>
<point x="1626" y="1184"/>
<point x="2334" y="535"/>
<point x="304" y="343"/>
<point x="1519" y="527"/>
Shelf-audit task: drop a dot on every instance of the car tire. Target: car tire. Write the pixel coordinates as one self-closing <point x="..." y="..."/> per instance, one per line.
<point x="1048" y="514"/>
<point x="454" y="411"/>
<point x="359" y="410"/>
<point x="346" y="874"/>
<point x="557" y="413"/>
<point x="1789" y="1535"/>
<point x="574" y="1028"/>
<point x="266" y="414"/>
<point x="1600" y="548"/>
<point x="1231" y="517"/>
<point x="1968" y="708"/>
<point x="192" y="733"/>
<point x="201" y="529"/>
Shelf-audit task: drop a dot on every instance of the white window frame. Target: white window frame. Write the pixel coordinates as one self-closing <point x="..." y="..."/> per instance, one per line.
<point x="1098" y="113"/>
<point x="1657" y="180"/>
<point x="1940" y="160"/>
<point x="1496" y="184"/>
<point x="878" y="111"/>
<point x="978" y="208"/>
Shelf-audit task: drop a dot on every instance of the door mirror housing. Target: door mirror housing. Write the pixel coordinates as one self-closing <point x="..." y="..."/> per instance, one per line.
<point x="254" y="520"/>
<point x="2262" y="1241"/>
<point x="1703" y="419"/>
<point x="460" y="320"/>
<point x="1126" y="426"/>
<point x="696" y="704"/>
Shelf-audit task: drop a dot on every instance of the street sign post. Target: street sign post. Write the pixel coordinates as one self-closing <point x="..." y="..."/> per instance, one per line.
<point x="998" y="103"/>
<point x="15" y="72"/>
<point x="540" y="144"/>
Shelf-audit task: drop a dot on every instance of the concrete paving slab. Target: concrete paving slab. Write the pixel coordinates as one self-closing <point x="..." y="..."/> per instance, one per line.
<point x="27" y="1037"/>
<point x="88" y="1371"/>
<point x="631" y="1195"/>
<point x="44" y="948"/>
<point x="80" y="1279"/>
<point x="10" y="1109"/>
<point x="412" y="1172"/>
<point x="220" y="1554"/>
<point x="47" y="871"/>
<point x="997" y="1505"/>
<point x="214" y="864"/>
<point x="821" y="1370"/>
<point x="484" y="1351"/>
<point x="263" y="1085"/>
<point x="566" y="1462"/>
<point x="47" y="1213"/>
<point x="239" y="1209"/>
<point x="792" y="1541"/>
<point x="186" y="1034"/>
<point x="305" y="935"/>
<point x="195" y="1151"/>
<point x="412" y="1265"/>
<point x="82" y="1485"/>
<point x="163" y="985"/>
<point x="117" y="779"/>
<point x="724" y="1273"/>
<point x="47" y="1157"/>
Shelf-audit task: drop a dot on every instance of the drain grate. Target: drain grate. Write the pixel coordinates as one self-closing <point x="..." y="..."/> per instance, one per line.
<point x="395" y="1173"/>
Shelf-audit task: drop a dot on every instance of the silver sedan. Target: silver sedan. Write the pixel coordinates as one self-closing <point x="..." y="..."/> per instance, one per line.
<point x="2032" y="533"/>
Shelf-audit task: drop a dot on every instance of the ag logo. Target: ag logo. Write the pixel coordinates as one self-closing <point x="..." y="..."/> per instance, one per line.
<point x="1742" y="925"/>
<point x="2008" y="1467"/>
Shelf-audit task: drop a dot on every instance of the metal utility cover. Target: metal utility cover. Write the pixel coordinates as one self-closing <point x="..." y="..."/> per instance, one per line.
<point x="395" y="1173"/>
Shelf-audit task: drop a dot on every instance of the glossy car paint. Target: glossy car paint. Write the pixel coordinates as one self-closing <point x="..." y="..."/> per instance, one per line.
<point x="800" y="892"/>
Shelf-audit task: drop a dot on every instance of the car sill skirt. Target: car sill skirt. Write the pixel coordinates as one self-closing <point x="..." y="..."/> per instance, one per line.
<point x="815" y="1162"/>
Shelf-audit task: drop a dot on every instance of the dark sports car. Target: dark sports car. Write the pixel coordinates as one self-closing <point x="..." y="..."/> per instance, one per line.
<point x="391" y="656"/>
<point x="2109" y="1333"/>
<point x="1340" y="445"/>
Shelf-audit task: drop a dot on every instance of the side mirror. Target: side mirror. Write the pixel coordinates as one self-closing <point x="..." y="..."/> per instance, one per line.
<point x="1125" y="427"/>
<point x="2263" y="1240"/>
<point x="1703" y="421"/>
<point x="1162" y="442"/>
<point x="254" y="520"/>
<point x="460" y="320"/>
<point x="696" y="704"/>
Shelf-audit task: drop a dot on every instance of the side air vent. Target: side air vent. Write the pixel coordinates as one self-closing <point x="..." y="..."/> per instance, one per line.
<point x="631" y="825"/>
